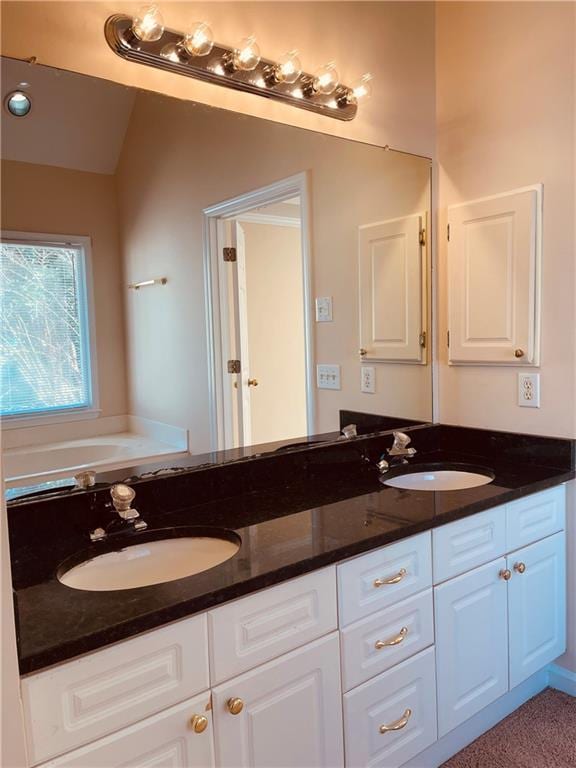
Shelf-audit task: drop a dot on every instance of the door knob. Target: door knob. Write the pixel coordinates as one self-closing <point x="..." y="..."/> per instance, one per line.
<point x="518" y="353"/>
<point x="252" y="382"/>
<point x="505" y="574"/>
<point x="199" y="723"/>
<point x="519" y="567"/>
<point x="235" y="706"/>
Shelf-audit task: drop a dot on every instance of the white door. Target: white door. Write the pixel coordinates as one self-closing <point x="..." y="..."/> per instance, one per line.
<point x="537" y="606"/>
<point x="170" y="739"/>
<point x="392" y="315"/>
<point x="471" y="643"/>
<point x="291" y="712"/>
<point x="493" y="253"/>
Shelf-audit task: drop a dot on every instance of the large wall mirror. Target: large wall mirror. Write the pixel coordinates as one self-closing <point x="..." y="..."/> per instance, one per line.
<point x="201" y="278"/>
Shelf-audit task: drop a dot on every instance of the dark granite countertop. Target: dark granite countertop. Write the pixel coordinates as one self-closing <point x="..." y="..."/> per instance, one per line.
<point x="287" y="529"/>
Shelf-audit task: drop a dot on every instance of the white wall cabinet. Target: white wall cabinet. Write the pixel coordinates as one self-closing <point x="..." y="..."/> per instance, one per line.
<point x="291" y="712"/>
<point x="493" y="273"/>
<point x="392" y="290"/>
<point x="427" y="635"/>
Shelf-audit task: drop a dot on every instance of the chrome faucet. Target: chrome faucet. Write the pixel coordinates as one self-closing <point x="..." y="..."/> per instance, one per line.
<point x="122" y="498"/>
<point x="85" y="480"/>
<point x="398" y="453"/>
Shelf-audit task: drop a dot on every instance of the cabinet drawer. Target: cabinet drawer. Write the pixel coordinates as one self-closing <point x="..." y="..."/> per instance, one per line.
<point x="375" y="713"/>
<point x="374" y="644"/>
<point x="379" y="579"/>
<point x="465" y="544"/>
<point x="90" y="697"/>
<point x="255" y="629"/>
<point x="535" y="517"/>
<point x="167" y="739"/>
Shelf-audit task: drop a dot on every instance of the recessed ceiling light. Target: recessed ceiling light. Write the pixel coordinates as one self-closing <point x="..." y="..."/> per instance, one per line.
<point x="18" y="103"/>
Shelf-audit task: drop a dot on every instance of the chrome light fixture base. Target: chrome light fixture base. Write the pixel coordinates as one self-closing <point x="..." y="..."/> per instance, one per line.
<point x="216" y="68"/>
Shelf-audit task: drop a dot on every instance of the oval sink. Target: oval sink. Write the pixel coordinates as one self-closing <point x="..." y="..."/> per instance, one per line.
<point x="438" y="479"/>
<point x="149" y="562"/>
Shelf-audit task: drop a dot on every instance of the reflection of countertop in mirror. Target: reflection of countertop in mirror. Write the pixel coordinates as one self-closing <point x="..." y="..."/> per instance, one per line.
<point x="337" y="508"/>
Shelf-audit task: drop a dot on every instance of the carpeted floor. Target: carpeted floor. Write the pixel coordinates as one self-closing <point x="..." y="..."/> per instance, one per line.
<point x="540" y="734"/>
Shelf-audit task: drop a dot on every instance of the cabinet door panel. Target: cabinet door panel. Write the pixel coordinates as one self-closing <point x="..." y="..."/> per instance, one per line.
<point x="493" y="251"/>
<point x="166" y="740"/>
<point x="537" y="606"/>
<point x="292" y="712"/>
<point x="402" y="697"/>
<point x="471" y="643"/>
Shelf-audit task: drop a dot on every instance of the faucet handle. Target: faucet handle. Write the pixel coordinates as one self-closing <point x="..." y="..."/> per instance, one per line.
<point x="401" y="439"/>
<point x="122" y="498"/>
<point x="85" y="480"/>
<point x="400" y="445"/>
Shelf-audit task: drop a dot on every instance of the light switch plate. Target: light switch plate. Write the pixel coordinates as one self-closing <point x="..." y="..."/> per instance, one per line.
<point x="328" y="376"/>
<point x="529" y="390"/>
<point x="324" y="309"/>
<point x="368" y="379"/>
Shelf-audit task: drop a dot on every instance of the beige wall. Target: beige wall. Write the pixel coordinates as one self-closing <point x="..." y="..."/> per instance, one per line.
<point x="179" y="159"/>
<point x="276" y="342"/>
<point x="42" y="198"/>
<point x="393" y="40"/>
<point x="506" y="99"/>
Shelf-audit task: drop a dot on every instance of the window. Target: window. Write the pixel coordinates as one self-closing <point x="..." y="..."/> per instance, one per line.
<point x="44" y="330"/>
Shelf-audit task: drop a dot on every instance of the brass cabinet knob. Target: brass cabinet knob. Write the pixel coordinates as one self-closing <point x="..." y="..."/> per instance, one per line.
<point x="518" y="353"/>
<point x="519" y="567"/>
<point x="505" y="574"/>
<point x="362" y="352"/>
<point x="392" y="580"/>
<point x="199" y="723"/>
<point x="235" y="706"/>
<point x="397" y="725"/>
<point x="252" y="382"/>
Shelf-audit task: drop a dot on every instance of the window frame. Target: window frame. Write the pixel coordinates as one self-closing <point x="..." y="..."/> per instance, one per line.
<point x="87" y="324"/>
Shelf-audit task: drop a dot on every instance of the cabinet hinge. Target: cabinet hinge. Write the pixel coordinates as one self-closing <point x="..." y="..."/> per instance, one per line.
<point x="234" y="366"/>
<point x="448" y="232"/>
<point x="422" y="237"/>
<point x="447" y="338"/>
<point x="229" y="254"/>
<point x="423" y="339"/>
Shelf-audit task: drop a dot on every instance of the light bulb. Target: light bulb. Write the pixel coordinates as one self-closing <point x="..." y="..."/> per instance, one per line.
<point x="199" y="41"/>
<point x="148" y="24"/>
<point x="288" y="69"/>
<point x="326" y="79"/>
<point x="362" y="88"/>
<point x="247" y="55"/>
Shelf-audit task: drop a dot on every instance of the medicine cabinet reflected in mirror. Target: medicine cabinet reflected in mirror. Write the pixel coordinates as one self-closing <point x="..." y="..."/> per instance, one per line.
<point x="200" y="279"/>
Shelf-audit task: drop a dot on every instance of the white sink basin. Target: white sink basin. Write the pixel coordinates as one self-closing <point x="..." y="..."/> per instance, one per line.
<point x="438" y="480"/>
<point x="153" y="562"/>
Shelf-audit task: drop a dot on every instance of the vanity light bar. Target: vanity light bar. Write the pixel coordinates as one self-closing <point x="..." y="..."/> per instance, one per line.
<point x="143" y="39"/>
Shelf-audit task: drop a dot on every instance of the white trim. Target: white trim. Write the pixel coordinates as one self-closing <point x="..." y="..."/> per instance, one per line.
<point x="237" y="207"/>
<point x="92" y="410"/>
<point x="562" y="679"/>
<point x="262" y="218"/>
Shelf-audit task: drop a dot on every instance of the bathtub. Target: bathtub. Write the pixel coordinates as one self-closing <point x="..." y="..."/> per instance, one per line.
<point x="35" y="464"/>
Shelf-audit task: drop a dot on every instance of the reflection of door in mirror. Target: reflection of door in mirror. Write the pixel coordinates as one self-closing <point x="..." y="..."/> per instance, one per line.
<point x="264" y="321"/>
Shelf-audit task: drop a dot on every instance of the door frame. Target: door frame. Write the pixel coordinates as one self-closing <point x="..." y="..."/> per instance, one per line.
<point x="216" y="288"/>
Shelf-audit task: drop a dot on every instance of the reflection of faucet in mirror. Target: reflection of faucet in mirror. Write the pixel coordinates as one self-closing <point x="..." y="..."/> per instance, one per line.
<point x="349" y="431"/>
<point x="130" y="520"/>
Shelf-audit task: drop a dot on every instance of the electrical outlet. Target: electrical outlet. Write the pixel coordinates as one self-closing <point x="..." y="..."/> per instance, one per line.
<point x="368" y="379"/>
<point x="328" y="376"/>
<point x="324" y="309"/>
<point x="529" y="390"/>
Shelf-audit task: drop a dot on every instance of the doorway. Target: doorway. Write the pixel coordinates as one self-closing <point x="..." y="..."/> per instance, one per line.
<point x="259" y="316"/>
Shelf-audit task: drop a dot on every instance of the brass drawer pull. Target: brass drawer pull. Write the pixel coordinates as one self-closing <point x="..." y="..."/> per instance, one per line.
<point x="199" y="723"/>
<point x="392" y="580"/>
<point x="393" y="641"/>
<point x="397" y="725"/>
<point x="519" y="567"/>
<point x="505" y="574"/>
<point x="235" y="706"/>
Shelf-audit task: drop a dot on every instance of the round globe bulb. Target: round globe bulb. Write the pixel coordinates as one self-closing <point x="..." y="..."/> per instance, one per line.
<point x="199" y="41"/>
<point x="148" y="24"/>
<point x="247" y="55"/>
<point x="289" y="68"/>
<point x="362" y="88"/>
<point x="326" y="79"/>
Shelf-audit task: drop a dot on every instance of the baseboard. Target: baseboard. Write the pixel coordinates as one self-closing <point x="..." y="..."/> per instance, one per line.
<point x="466" y="733"/>
<point x="562" y="679"/>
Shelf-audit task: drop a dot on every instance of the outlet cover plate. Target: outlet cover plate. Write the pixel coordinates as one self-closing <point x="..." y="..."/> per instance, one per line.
<point x="529" y="390"/>
<point x="368" y="379"/>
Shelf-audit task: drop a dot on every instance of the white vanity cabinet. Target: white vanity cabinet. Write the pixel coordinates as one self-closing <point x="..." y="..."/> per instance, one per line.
<point x="360" y="665"/>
